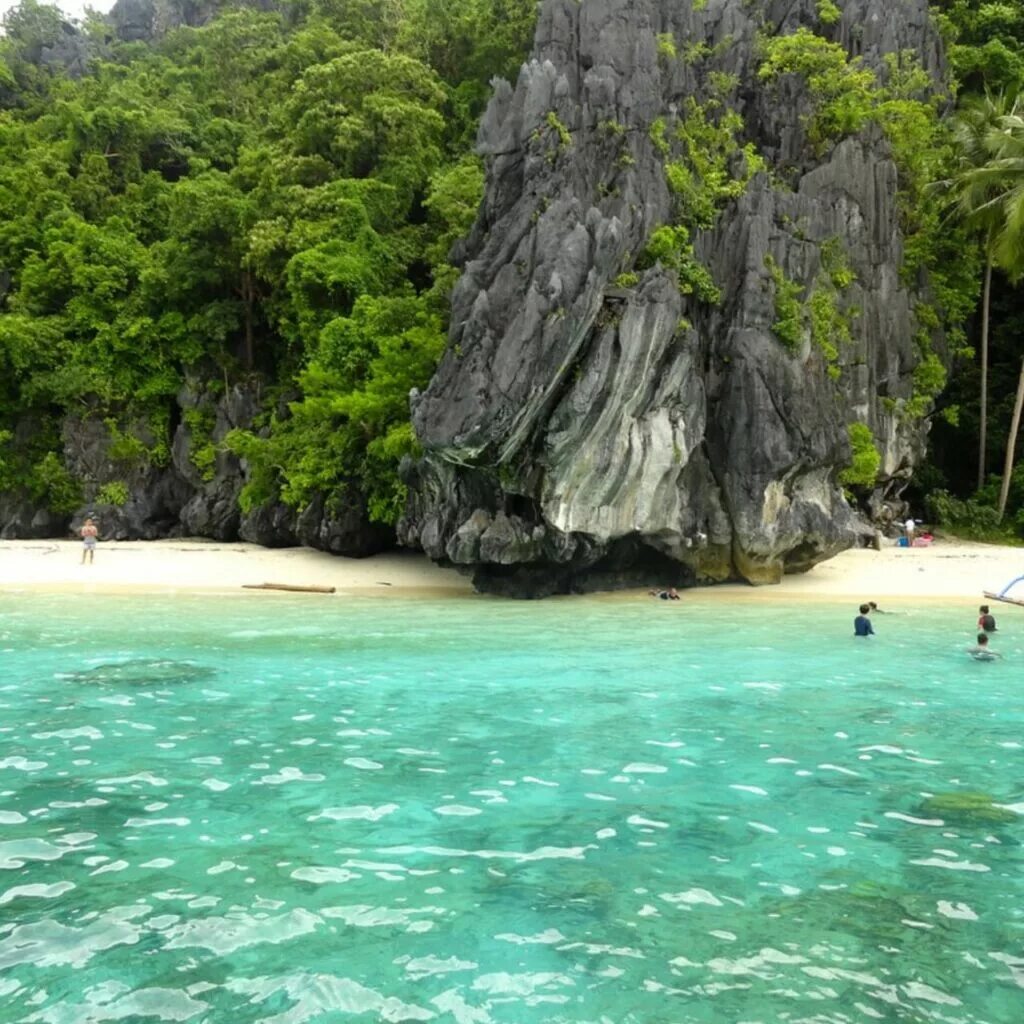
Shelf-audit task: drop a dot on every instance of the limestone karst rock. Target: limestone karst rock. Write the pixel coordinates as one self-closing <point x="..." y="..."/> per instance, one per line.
<point x="146" y="20"/>
<point x="592" y="425"/>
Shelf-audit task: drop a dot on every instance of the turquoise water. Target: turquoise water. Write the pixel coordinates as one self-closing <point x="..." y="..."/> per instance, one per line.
<point x="290" y="809"/>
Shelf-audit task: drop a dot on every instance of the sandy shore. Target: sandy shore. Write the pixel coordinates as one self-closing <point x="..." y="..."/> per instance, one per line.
<point x="947" y="571"/>
<point x="197" y="566"/>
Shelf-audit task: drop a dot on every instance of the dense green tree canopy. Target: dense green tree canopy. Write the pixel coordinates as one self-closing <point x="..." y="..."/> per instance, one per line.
<point x="273" y="197"/>
<point x="984" y="178"/>
<point x="272" y="194"/>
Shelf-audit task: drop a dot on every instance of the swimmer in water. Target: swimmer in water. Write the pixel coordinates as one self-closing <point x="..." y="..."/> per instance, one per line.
<point x="665" y="595"/>
<point x="862" y="624"/>
<point x="986" y="620"/>
<point x="981" y="651"/>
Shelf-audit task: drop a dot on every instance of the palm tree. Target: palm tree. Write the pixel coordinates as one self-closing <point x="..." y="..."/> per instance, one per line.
<point x="1011" y="443"/>
<point x="991" y="196"/>
<point x="982" y="189"/>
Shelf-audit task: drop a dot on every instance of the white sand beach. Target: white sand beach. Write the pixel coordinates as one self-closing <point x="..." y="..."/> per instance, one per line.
<point x="209" y="566"/>
<point x="949" y="570"/>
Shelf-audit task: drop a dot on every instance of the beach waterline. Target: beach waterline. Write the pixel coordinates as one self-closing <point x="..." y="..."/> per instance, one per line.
<point x="297" y="809"/>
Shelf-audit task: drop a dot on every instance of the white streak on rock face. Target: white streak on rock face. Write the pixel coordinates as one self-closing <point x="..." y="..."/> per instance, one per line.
<point x="775" y="503"/>
<point x="621" y="438"/>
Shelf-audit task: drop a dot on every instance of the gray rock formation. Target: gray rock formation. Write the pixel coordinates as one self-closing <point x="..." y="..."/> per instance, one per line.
<point x="146" y="20"/>
<point x="69" y="51"/>
<point x="23" y="515"/>
<point x="22" y="518"/>
<point x="588" y="430"/>
<point x="212" y="510"/>
<point x="131" y="497"/>
<point x="342" y="528"/>
<point x="134" y="497"/>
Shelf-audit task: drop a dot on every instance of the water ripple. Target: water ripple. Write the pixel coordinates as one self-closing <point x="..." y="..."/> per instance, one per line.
<point x="487" y="814"/>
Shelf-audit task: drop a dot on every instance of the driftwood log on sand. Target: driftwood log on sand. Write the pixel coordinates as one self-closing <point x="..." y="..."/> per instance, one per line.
<point x="289" y="586"/>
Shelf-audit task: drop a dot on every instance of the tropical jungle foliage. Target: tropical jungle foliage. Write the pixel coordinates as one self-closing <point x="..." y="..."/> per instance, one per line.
<point x="983" y="184"/>
<point x="272" y="199"/>
<point x="272" y="196"/>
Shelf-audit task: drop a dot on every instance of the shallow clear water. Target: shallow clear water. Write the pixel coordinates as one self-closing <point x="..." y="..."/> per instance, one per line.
<point x="279" y="809"/>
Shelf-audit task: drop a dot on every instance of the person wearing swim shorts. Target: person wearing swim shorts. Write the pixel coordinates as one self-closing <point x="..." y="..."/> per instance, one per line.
<point x="90" y="535"/>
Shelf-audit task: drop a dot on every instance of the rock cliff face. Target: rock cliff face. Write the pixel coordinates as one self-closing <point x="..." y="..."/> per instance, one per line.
<point x="134" y="497"/>
<point x="590" y="425"/>
<point x="146" y="20"/>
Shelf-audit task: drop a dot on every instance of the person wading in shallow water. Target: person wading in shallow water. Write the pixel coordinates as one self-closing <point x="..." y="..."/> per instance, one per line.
<point x="862" y="624"/>
<point x="90" y="534"/>
<point x="986" y="620"/>
<point x="981" y="650"/>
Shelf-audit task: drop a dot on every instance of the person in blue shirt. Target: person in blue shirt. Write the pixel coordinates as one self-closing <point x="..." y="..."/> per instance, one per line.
<point x="862" y="624"/>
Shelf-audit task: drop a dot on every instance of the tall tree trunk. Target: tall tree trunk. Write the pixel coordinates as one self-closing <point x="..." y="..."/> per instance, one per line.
<point x="1011" y="443"/>
<point x="247" y="301"/>
<point x="983" y="423"/>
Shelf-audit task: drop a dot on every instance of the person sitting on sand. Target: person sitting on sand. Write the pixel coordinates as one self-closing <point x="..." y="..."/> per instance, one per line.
<point x="981" y="651"/>
<point x="666" y="595"/>
<point x="986" y="620"/>
<point x="90" y="534"/>
<point x="862" y="624"/>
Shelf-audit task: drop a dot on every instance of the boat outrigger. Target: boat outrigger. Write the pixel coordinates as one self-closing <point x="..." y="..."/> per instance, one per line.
<point x="1004" y="594"/>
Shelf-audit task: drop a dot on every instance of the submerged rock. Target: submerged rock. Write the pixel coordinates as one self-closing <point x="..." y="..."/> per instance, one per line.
<point x="594" y="422"/>
<point x="143" y="672"/>
<point x="967" y="809"/>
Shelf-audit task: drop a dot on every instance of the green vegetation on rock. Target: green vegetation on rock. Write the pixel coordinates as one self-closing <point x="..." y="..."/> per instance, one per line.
<point x="788" y="325"/>
<point x="822" y="317"/>
<point x="113" y="493"/>
<point x="866" y="461"/>
<point x="705" y="167"/>
<point x="269" y="197"/>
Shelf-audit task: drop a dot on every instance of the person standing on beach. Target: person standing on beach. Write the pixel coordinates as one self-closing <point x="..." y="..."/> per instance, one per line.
<point x="862" y="624"/>
<point x="90" y="534"/>
<point x="909" y="527"/>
